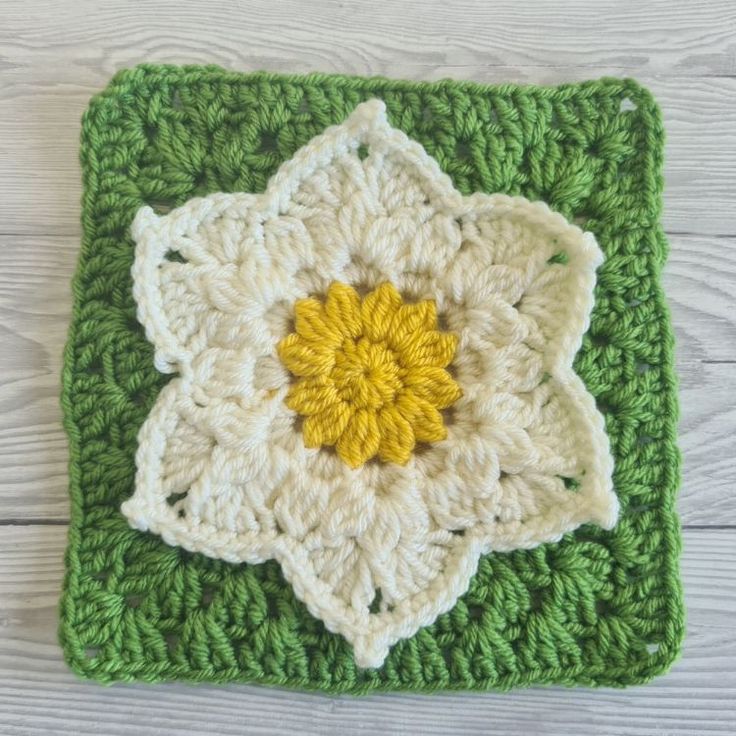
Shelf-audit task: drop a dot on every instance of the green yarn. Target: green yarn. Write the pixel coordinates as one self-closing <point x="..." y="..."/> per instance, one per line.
<point x="597" y="608"/>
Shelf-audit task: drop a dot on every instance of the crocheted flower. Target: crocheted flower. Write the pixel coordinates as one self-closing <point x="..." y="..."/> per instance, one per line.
<point x="371" y="374"/>
<point x="252" y="301"/>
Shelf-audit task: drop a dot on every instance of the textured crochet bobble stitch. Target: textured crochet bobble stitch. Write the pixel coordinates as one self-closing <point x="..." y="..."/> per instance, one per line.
<point x="375" y="550"/>
<point x="372" y="374"/>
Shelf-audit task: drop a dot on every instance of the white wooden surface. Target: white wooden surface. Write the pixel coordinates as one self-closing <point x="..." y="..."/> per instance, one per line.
<point x="54" y="55"/>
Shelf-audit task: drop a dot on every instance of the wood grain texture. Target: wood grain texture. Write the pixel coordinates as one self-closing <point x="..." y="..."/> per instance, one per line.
<point x="38" y="694"/>
<point x="35" y="305"/>
<point x="655" y="37"/>
<point x="700" y="285"/>
<point x="54" y="56"/>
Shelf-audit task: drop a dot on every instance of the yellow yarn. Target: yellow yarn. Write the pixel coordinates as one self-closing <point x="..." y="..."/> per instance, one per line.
<point x="372" y="375"/>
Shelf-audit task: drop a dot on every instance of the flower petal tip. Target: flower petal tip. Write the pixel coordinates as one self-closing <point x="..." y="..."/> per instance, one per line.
<point x="144" y="222"/>
<point x="609" y="512"/>
<point x="373" y="109"/>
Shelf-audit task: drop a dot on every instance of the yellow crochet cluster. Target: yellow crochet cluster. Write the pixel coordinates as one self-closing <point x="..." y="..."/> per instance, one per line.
<point x="371" y="373"/>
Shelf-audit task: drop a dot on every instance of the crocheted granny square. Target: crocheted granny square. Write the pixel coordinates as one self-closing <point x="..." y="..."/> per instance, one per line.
<point x="369" y="385"/>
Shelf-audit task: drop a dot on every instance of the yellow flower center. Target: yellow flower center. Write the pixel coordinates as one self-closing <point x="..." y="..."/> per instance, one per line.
<point x="371" y="376"/>
<point x="366" y="374"/>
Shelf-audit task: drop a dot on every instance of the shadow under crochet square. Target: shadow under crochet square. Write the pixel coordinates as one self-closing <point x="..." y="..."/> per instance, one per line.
<point x="598" y="608"/>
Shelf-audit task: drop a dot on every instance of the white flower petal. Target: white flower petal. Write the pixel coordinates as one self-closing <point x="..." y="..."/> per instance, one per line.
<point x="523" y="253"/>
<point x="525" y="470"/>
<point x="181" y="302"/>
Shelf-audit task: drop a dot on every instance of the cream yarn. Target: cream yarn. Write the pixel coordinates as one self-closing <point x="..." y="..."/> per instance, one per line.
<point x="221" y="465"/>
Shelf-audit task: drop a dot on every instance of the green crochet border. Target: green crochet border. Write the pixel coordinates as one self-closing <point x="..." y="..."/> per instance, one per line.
<point x="598" y="608"/>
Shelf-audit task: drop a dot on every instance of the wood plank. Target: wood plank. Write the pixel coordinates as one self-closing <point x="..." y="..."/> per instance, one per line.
<point x="35" y="309"/>
<point x="708" y="443"/>
<point x="39" y="131"/>
<point x="700" y="284"/>
<point x="39" y="695"/>
<point x="35" y="306"/>
<point x="656" y="37"/>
